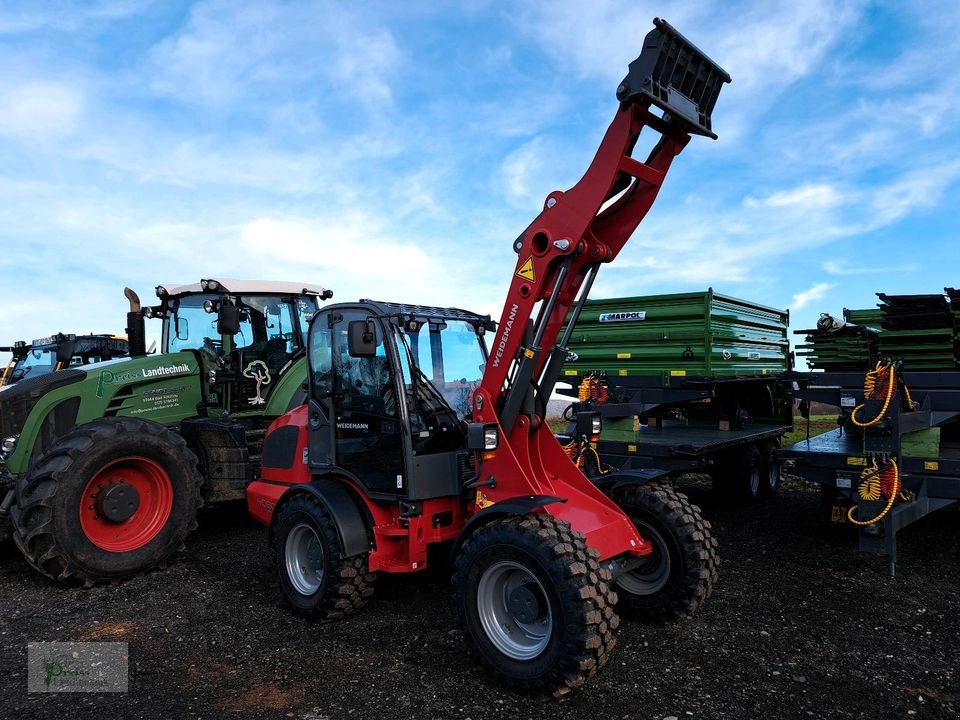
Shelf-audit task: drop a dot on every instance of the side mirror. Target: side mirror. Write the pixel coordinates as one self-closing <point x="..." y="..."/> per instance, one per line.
<point x="361" y="338"/>
<point x="228" y="321"/>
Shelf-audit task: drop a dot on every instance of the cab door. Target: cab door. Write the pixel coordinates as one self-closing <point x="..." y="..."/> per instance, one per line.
<point x="357" y="398"/>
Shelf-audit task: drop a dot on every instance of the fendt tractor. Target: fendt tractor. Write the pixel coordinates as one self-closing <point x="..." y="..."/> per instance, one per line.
<point x="104" y="466"/>
<point x="58" y="352"/>
<point x="419" y="437"/>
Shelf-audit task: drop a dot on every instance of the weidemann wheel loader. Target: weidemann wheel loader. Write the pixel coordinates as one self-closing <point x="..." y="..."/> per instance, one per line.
<point x="418" y="435"/>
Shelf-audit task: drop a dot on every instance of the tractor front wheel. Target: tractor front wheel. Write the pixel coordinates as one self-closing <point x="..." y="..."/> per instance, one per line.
<point x="113" y="498"/>
<point x="315" y="579"/>
<point x="534" y="604"/>
<point x="675" y="579"/>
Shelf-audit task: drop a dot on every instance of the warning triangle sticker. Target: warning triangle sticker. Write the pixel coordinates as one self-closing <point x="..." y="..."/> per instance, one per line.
<point x="526" y="270"/>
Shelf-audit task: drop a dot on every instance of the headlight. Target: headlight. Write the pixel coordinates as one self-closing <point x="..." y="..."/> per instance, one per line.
<point x="491" y="438"/>
<point x="7" y="446"/>
<point x="588" y="423"/>
<point x="483" y="436"/>
<point x="596" y="425"/>
<point x="210" y="285"/>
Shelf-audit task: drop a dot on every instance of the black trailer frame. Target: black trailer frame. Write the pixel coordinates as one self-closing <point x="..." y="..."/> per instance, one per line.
<point x="700" y="444"/>
<point x="836" y="458"/>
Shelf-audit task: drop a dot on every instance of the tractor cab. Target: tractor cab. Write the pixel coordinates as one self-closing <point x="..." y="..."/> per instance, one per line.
<point x="245" y="333"/>
<point x="56" y="352"/>
<point x="391" y="387"/>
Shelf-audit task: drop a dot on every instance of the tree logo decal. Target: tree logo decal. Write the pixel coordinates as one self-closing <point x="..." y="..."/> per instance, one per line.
<point x="258" y="370"/>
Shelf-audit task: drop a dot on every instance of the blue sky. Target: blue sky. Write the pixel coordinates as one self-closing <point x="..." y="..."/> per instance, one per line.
<point x="395" y="150"/>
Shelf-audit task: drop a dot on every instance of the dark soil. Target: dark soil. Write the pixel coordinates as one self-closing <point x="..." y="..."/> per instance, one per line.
<point x="801" y="625"/>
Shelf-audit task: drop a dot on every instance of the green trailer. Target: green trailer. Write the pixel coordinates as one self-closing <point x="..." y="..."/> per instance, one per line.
<point x="685" y="382"/>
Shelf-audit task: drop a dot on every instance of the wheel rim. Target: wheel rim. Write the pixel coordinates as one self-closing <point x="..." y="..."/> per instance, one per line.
<point x="773" y="477"/>
<point x="126" y="504"/>
<point x="654" y="573"/>
<point x="514" y="610"/>
<point x="303" y="554"/>
<point x="754" y="479"/>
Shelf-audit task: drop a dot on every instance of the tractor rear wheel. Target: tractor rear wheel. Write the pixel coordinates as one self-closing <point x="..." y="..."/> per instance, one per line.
<point x="113" y="498"/>
<point x="317" y="582"/>
<point x="679" y="575"/>
<point x="534" y="604"/>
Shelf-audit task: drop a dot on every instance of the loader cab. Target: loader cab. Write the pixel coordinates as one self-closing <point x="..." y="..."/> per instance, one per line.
<point x="390" y="393"/>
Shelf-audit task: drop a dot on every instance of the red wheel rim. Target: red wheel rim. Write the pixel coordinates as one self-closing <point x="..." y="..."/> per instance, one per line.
<point x="152" y="484"/>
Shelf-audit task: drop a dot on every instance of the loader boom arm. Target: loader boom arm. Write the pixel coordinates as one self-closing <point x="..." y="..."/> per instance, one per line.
<point x="580" y="229"/>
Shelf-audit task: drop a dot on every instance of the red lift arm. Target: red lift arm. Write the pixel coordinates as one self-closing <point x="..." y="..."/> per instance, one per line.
<point x="560" y="253"/>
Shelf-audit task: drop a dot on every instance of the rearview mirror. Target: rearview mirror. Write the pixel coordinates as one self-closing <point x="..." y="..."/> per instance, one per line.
<point x="361" y="338"/>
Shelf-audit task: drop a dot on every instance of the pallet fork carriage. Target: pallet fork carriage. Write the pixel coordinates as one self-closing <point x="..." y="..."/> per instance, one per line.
<point x="405" y="444"/>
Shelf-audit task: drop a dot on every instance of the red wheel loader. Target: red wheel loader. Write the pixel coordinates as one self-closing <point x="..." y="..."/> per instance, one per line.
<point x="419" y="436"/>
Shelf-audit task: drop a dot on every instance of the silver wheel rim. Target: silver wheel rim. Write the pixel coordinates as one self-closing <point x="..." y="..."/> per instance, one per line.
<point x="755" y="479"/>
<point x="304" y="560"/>
<point x="514" y="610"/>
<point x="654" y="573"/>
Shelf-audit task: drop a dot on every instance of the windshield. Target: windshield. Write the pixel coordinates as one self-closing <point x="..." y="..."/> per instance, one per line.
<point x="450" y="356"/>
<point x="264" y="319"/>
<point x="38" y="361"/>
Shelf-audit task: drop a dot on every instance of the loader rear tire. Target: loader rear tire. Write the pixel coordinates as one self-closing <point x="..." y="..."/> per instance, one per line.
<point x="534" y="604"/>
<point x="113" y="498"/>
<point x="315" y="579"/>
<point x="680" y="574"/>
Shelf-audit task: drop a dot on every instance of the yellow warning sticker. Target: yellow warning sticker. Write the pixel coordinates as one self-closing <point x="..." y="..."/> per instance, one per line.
<point x="678" y="373"/>
<point x="856" y="461"/>
<point x="931" y="465"/>
<point x="621" y="373"/>
<point x="482" y="500"/>
<point x="569" y="372"/>
<point x="631" y="448"/>
<point x="528" y="353"/>
<point x="624" y="356"/>
<point x="526" y="271"/>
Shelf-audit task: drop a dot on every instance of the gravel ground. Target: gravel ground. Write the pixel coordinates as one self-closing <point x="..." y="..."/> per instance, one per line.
<point x="801" y="625"/>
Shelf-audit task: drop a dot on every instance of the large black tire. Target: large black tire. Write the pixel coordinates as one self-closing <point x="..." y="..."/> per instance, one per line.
<point x="104" y="453"/>
<point x="770" y="470"/>
<point x="316" y="581"/>
<point x="534" y="604"/>
<point x="680" y="574"/>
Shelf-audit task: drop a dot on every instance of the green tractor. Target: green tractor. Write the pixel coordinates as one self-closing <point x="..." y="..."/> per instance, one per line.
<point x="58" y="352"/>
<point x="104" y="466"/>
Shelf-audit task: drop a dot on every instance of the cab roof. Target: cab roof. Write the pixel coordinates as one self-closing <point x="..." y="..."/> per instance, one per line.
<point x="244" y="287"/>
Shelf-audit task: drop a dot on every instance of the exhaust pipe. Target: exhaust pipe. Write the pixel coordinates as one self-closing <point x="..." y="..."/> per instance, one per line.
<point x="136" y="332"/>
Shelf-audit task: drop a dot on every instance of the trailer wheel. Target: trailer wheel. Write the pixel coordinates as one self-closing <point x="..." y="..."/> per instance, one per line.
<point x="683" y="568"/>
<point x="740" y="474"/>
<point x="113" y="498"/>
<point x="535" y="606"/>
<point x="316" y="581"/>
<point x="770" y="484"/>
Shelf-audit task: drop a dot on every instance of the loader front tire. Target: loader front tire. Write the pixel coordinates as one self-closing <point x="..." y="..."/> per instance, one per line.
<point x="674" y="580"/>
<point x="534" y="604"/>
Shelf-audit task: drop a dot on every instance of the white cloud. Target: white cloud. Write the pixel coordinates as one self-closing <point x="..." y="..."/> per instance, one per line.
<point x="39" y="109"/>
<point x="817" y="292"/>
<point x="803" y="197"/>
